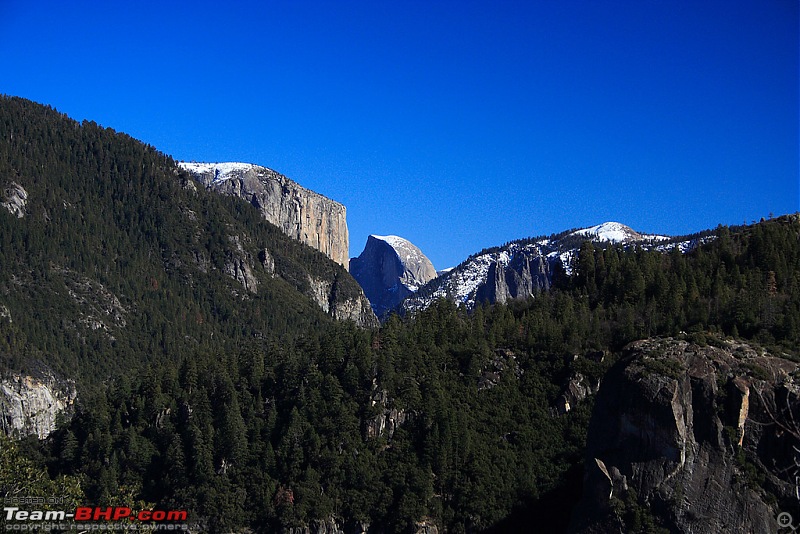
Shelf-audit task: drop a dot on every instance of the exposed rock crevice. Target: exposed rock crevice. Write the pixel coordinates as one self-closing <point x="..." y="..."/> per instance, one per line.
<point x="30" y="406"/>
<point x="705" y="437"/>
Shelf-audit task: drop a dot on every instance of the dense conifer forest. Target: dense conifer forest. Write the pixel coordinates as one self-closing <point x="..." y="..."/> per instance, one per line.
<point x="259" y="411"/>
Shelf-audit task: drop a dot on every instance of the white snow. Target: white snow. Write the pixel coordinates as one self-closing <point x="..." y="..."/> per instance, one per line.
<point x="608" y="231"/>
<point x="407" y="251"/>
<point x="615" y="232"/>
<point x="222" y="171"/>
<point x="461" y="284"/>
<point x="393" y="240"/>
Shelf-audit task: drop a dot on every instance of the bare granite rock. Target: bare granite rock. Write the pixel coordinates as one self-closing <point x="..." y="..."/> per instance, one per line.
<point x="300" y="213"/>
<point x="705" y="438"/>
<point x="30" y="405"/>
<point x="15" y="199"/>
<point x="389" y="269"/>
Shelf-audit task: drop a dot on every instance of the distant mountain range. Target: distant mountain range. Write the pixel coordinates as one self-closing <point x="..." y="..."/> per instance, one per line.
<point x="396" y="275"/>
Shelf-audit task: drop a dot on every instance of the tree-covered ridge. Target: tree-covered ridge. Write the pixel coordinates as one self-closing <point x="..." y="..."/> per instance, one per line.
<point x="120" y="259"/>
<point x="285" y="435"/>
<point x="743" y="284"/>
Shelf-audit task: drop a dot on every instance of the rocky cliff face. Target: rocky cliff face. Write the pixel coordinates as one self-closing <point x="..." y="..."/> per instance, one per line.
<point x="15" y="198"/>
<point x="300" y="213"/>
<point x="30" y="406"/>
<point x="388" y="419"/>
<point x="390" y="269"/>
<point x="524" y="268"/>
<point x="516" y="271"/>
<point x="356" y="308"/>
<point x="705" y="439"/>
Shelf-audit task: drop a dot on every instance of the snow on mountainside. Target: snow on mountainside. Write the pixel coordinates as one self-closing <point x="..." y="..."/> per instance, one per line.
<point x="492" y="276"/>
<point x="522" y="269"/>
<point x="221" y="171"/>
<point x="615" y="232"/>
<point x="390" y="269"/>
<point x="418" y="269"/>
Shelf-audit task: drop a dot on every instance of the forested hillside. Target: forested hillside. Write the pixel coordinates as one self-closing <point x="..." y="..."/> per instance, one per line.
<point x="254" y="410"/>
<point x="119" y="260"/>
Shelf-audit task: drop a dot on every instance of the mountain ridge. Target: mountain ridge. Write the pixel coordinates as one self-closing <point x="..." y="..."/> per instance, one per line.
<point x="115" y="236"/>
<point x="525" y="267"/>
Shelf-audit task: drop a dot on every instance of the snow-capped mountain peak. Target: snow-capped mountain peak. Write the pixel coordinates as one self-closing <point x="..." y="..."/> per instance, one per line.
<point x="614" y="232"/>
<point x="408" y="253"/>
<point x="525" y="268"/>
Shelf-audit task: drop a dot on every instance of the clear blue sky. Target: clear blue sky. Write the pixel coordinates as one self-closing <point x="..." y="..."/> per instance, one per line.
<point x="459" y="125"/>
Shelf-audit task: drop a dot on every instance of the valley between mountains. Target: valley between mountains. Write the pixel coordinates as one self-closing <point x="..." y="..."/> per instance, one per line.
<point x="193" y="336"/>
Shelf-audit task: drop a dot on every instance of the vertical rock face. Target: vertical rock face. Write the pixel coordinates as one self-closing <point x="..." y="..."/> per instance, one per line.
<point x="388" y="419"/>
<point x="521" y="276"/>
<point x="390" y="269"/>
<point x="300" y="213"/>
<point x="517" y="271"/>
<point x="30" y="406"/>
<point x="14" y="199"/>
<point x="705" y="438"/>
<point x="356" y="308"/>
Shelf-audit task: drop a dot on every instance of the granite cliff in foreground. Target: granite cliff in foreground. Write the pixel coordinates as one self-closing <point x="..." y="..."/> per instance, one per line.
<point x="693" y="438"/>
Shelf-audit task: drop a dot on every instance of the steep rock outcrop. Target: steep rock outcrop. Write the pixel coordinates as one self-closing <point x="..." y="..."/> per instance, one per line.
<point x="521" y="276"/>
<point x="300" y="213"/>
<point x="389" y="269"/>
<point x="238" y="265"/>
<point x="577" y="388"/>
<point x="14" y="199"/>
<point x="355" y="308"/>
<point x="704" y="438"/>
<point x="30" y="406"/>
<point x="389" y="418"/>
<point x="516" y="271"/>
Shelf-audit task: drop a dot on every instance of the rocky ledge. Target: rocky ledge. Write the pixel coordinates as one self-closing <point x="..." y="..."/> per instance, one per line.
<point x="30" y="405"/>
<point x="693" y="438"/>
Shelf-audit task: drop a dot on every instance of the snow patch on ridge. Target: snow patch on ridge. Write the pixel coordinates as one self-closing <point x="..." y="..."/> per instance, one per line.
<point x="408" y="252"/>
<point x="222" y="171"/>
<point x="614" y="232"/>
<point x="463" y="283"/>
